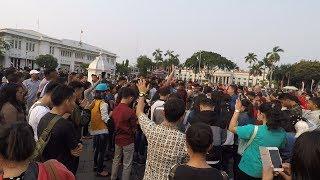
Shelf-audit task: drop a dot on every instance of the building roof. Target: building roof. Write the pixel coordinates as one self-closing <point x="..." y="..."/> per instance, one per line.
<point x="67" y="42"/>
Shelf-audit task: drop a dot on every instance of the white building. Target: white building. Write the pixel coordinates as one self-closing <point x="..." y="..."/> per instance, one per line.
<point x="220" y="76"/>
<point x="27" y="45"/>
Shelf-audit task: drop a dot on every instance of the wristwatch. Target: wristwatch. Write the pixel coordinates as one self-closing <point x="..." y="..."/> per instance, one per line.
<point x="142" y="94"/>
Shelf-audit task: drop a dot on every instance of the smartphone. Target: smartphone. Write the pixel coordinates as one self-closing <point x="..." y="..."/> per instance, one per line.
<point x="275" y="158"/>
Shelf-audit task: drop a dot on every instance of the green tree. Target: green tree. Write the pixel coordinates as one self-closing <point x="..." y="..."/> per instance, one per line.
<point x="256" y="69"/>
<point x="172" y="59"/>
<point x="3" y="47"/>
<point x="210" y="60"/>
<point x="251" y="58"/>
<point x="84" y="67"/>
<point x="305" y="71"/>
<point x="123" y="68"/>
<point x="157" y="54"/>
<point x="273" y="57"/>
<point x="144" y="64"/>
<point x="282" y="73"/>
<point x="47" y="61"/>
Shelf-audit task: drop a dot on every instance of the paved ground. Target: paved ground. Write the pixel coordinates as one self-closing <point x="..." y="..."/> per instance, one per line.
<point x="85" y="170"/>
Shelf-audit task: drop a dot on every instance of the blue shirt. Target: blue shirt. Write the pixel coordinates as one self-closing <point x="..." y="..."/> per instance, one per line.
<point x="251" y="163"/>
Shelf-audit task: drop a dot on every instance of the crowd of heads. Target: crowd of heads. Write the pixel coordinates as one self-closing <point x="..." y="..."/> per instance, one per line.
<point x="263" y="105"/>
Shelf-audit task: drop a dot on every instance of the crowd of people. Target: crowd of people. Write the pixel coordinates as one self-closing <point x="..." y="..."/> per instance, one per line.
<point x="179" y="130"/>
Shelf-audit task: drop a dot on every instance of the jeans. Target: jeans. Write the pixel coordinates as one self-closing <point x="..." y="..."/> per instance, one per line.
<point x="127" y="152"/>
<point x="100" y="144"/>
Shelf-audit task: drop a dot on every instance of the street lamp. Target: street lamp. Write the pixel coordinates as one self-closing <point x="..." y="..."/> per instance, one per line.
<point x="199" y="66"/>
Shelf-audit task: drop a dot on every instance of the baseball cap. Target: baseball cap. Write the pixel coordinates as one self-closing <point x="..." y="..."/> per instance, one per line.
<point x="34" y="72"/>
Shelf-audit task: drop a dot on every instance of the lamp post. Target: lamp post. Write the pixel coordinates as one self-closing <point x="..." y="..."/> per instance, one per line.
<point x="199" y="75"/>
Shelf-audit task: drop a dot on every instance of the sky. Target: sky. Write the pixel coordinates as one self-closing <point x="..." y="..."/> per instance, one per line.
<point x="130" y="28"/>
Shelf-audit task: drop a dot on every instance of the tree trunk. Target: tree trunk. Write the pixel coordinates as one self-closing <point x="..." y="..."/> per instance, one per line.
<point x="249" y="75"/>
<point x="270" y="78"/>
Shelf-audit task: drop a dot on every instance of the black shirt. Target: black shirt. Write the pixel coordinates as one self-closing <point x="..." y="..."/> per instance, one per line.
<point x="185" y="172"/>
<point x="63" y="139"/>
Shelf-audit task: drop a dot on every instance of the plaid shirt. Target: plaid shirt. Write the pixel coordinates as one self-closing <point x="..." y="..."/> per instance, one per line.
<point x="166" y="147"/>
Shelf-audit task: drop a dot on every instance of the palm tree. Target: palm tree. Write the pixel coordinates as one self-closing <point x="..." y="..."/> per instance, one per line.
<point x="251" y="58"/>
<point x="256" y="70"/>
<point x="172" y="59"/>
<point x="158" y="56"/>
<point x="273" y="57"/>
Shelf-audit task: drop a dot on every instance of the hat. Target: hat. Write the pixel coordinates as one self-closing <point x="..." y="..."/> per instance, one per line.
<point x="102" y="87"/>
<point x="34" y="72"/>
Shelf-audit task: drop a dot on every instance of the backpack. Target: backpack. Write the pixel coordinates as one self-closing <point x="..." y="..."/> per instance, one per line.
<point x="44" y="139"/>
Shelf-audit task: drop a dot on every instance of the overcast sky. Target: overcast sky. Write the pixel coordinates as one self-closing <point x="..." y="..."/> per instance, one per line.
<point x="130" y="28"/>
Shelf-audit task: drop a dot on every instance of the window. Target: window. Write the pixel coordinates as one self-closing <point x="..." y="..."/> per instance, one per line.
<point x="79" y="55"/>
<point x="19" y="45"/>
<point x="33" y="45"/>
<point x="27" y="46"/>
<point x="65" y="53"/>
<point x="16" y="44"/>
<point x="90" y="57"/>
<point x="51" y="50"/>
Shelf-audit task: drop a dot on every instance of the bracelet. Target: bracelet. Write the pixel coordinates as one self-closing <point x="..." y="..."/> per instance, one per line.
<point x="142" y="94"/>
<point x="237" y="110"/>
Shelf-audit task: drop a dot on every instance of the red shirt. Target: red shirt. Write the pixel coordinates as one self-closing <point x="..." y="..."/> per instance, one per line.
<point x="125" y="121"/>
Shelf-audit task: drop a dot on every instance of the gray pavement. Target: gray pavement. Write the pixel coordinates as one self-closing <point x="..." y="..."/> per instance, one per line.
<point x="85" y="170"/>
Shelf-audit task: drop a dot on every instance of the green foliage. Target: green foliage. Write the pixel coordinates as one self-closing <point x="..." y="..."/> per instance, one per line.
<point x="296" y="73"/>
<point x="3" y="47"/>
<point x="144" y="64"/>
<point x="47" y="61"/>
<point x="210" y="60"/>
<point x="157" y="54"/>
<point x="251" y="58"/>
<point x="123" y="68"/>
<point x="256" y="69"/>
<point x="305" y="71"/>
<point x="172" y="59"/>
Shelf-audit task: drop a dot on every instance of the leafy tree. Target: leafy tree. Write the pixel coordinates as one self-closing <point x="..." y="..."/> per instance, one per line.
<point x="305" y="71"/>
<point x="273" y="57"/>
<point x="172" y="59"/>
<point x="47" y="61"/>
<point x="84" y="67"/>
<point x="157" y="54"/>
<point x="256" y="70"/>
<point x="210" y="60"/>
<point x="3" y="47"/>
<point x="251" y="58"/>
<point x="282" y="73"/>
<point x="144" y="64"/>
<point x="123" y="68"/>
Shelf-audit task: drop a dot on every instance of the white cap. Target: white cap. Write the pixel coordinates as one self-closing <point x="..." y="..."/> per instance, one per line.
<point x="34" y="72"/>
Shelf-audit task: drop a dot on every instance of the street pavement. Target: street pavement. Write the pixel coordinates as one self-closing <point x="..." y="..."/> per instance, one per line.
<point x="85" y="169"/>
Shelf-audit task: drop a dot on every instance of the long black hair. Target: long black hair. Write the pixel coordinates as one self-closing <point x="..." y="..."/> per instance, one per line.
<point x="16" y="141"/>
<point x="248" y="107"/>
<point x="8" y="94"/>
<point x="275" y="117"/>
<point x="305" y="161"/>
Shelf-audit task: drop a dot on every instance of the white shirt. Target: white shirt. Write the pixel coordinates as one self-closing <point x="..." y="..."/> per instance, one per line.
<point x="313" y="118"/>
<point x="158" y="103"/>
<point x="36" y="112"/>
